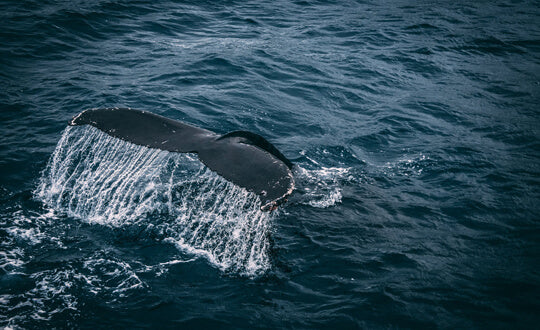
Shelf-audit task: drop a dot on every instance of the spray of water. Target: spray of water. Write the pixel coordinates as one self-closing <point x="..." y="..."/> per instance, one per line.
<point x="105" y="180"/>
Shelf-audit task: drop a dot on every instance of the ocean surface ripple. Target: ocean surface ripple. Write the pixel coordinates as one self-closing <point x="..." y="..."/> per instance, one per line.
<point x="414" y="126"/>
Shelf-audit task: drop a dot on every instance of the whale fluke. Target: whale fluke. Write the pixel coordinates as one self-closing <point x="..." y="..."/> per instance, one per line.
<point x="243" y="158"/>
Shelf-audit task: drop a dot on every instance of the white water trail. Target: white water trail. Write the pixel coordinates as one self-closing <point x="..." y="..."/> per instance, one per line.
<point x="105" y="180"/>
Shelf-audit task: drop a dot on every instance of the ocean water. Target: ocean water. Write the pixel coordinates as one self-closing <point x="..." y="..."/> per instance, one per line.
<point x="414" y="127"/>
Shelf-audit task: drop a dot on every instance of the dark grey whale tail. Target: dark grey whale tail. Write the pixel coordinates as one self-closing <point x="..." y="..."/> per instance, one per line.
<point x="244" y="158"/>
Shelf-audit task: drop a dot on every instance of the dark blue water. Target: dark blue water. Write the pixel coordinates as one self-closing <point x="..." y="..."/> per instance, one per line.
<point x="415" y="130"/>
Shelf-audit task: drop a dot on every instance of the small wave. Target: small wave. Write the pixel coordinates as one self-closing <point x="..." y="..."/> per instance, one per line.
<point x="321" y="187"/>
<point x="49" y="295"/>
<point x="163" y="267"/>
<point x="11" y="260"/>
<point x="55" y="293"/>
<point x="28" y="227"/>
<point x="407" y="166"/>
<point x="110" y="276"/>
<point x="320" y="176"/>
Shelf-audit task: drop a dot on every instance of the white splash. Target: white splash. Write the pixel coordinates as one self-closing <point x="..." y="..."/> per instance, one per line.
<point x="321" y="187"/>
<point x="108" y="181"/>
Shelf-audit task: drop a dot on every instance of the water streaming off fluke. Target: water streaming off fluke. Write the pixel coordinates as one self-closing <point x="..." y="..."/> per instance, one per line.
<point x="104" y="180"/>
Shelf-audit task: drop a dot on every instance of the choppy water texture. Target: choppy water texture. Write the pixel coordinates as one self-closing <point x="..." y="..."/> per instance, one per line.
<point x="414" y="126"/>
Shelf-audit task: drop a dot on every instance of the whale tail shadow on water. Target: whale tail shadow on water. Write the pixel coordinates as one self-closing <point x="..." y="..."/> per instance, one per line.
<point x="244" y="158"/>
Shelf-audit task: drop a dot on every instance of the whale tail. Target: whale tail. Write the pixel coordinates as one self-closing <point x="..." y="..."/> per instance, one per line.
<point x="243" y="158"/>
